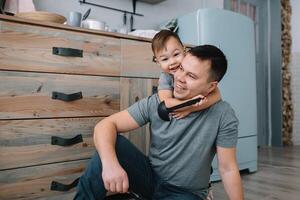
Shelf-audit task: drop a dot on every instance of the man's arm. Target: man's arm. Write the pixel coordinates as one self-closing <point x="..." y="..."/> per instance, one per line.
<point x="229" y="172"/>
<point x="114" y="176"/>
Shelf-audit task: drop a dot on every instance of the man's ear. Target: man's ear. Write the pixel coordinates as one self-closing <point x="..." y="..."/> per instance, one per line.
<point x="212" y="86"/>
<point x="184" y="49"/>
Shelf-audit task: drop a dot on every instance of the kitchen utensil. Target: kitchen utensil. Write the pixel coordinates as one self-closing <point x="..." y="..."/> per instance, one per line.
<point x="2" y="4"/>
<point x="164" y="112"/>
<point x="86" y="14"/>
<point x="74" y="19"/>
<point x="123" y="28"/>
<point x="124" y="19"/>
<point x="131" y="17"/>
<point x="42" y="16"/>
<point x="131" y="22"/>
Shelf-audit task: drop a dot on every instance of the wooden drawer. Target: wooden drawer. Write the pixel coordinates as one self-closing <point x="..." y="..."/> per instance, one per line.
<point x="137" y="60"/>
<point x="35" y="182"/>
<point x="29" y="95"/>
<point x="133" y="90"/>
<point x="29" y="48"/>
<point x="26" y="143"/>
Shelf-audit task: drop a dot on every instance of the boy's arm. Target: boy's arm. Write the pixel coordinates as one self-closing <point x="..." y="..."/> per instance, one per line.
<point x="208" y="101"/>
<point x="167" y="96"/>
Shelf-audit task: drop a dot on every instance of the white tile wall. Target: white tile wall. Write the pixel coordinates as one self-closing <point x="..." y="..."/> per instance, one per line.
<point x="295" y="84"/>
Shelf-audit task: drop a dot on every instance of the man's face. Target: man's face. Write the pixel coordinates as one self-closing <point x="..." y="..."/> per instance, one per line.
<point x="170" y="57"/>
<point x="192" y="78"/>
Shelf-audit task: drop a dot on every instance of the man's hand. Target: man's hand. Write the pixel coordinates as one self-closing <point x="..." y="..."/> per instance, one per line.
<point x="115" y="178"/>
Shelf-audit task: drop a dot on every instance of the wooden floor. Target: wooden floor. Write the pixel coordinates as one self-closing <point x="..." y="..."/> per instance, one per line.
<point x="277" y="177"/>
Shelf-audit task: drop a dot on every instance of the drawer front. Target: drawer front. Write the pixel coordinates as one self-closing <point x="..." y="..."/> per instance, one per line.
<point x="35" y="182"/>
<point x="29" y="95"/>
<point x="137" y="60"/>
<point x="132" y="90"/>
<point x="30" y="48"/>
<point x="33" y="142"/>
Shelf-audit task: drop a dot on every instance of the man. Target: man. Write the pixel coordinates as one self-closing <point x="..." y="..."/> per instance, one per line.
<point x="181" y="151"/>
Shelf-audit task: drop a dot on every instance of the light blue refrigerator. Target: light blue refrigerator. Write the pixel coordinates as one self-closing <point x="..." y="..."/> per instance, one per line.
<point x="234" y="35"/>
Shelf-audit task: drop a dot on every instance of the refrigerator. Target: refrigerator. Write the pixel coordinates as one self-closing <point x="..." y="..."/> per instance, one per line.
<point x="233" y="33"/>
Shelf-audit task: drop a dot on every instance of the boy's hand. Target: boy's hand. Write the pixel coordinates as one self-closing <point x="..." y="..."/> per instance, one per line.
<point x="200" y="103"/>
<point x="199" y="96"/>
<point x="180" y="114"/>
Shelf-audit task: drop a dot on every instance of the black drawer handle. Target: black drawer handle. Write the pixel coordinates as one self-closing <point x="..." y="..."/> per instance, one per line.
<point x="66" y="142"/>
<point x="56" y="186"/>
<point x="61" y="51"/>
<point x="66" y="97"/>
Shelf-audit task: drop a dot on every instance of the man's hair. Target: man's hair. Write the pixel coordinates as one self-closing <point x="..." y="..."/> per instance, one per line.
<point x="215" y="56"/>
<point x="160" y="39"/>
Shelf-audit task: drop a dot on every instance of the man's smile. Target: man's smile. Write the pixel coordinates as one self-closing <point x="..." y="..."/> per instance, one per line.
<point x="179" y="87"/>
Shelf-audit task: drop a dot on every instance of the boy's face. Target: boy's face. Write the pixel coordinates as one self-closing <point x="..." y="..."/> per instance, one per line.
<point x="170" y="57"/>
<point x="192" y="78"/>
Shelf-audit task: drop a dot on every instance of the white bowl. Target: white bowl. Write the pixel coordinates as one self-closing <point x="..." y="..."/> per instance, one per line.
<point x="93" y="24"/>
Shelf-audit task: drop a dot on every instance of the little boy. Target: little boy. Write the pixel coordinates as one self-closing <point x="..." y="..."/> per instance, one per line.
<point x="168" y="52"/>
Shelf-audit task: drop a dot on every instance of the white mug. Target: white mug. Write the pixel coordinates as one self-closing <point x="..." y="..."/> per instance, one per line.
<point x="74" y="19"/>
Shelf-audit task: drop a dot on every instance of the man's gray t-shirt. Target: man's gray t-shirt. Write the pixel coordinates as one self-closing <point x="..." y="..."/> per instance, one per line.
<point x="165" y="81"/>
<point x="181" y="151"/>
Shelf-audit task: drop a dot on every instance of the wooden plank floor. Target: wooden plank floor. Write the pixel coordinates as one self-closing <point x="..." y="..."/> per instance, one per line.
<point x="277" y="177"/>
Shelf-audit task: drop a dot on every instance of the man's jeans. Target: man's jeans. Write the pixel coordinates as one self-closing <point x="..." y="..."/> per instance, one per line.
<point x="142" y="180"/>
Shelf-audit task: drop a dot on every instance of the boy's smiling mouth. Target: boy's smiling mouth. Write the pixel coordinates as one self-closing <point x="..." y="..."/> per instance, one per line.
<point x="173" y="69"/>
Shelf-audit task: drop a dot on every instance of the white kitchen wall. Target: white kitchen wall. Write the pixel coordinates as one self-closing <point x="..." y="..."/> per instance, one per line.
<point x="154" y="14"/>
<point x="295" y="68"/>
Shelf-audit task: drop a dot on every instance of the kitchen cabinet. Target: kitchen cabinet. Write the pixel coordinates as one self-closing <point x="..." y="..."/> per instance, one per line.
<point x="56" y="83"/>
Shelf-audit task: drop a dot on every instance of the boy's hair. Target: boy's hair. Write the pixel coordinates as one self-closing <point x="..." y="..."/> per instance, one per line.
<point x="215" y="56"/>
<point x="160" y="39"/>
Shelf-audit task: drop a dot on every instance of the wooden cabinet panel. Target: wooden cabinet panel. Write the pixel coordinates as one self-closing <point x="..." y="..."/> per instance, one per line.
<point x="34" y="182"/>
<point x="26" y="143"/>
<point x="114" y="72"/>
<point x="137" y="60"/>
<point x="29" y="48"/>
<point x="29" y="95"/>
<point x="133" y="90"/>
